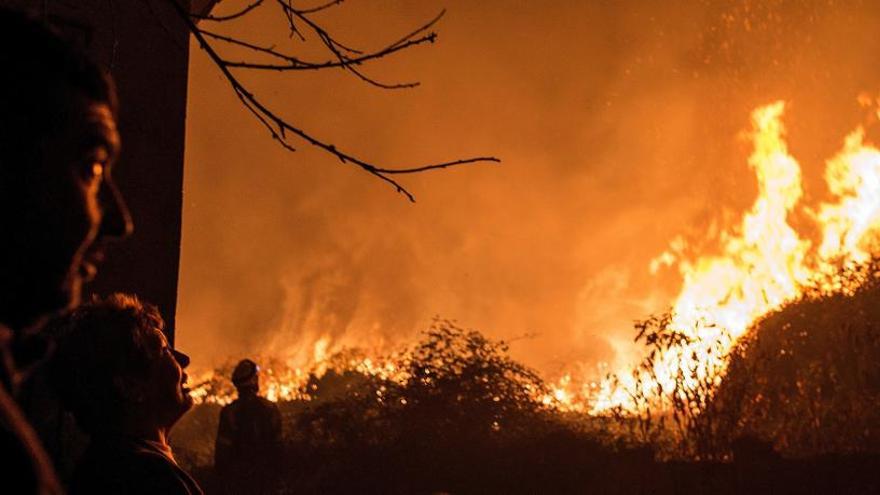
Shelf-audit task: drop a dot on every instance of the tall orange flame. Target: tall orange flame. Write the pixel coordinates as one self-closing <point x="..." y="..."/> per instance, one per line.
<point x="764" y="262"/>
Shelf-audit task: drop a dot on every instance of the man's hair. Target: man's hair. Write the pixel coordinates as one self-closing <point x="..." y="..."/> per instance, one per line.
<point x="103" y="343"/>
<point x="245" y="376"/>
<point x="39" y="67"/>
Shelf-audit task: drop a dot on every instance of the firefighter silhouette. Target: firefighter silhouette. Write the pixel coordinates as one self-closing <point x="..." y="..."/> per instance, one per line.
<point x="248" y="444"/>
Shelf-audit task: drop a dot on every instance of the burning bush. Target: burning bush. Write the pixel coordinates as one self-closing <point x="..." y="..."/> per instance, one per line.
<point x="674" y="412"/>
<point x="804" y="379"/>
<point x="807" y="378"/>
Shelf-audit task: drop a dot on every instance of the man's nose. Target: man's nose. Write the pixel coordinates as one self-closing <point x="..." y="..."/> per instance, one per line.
<point x="182" y="359"/>
<point x="116" y="221"/>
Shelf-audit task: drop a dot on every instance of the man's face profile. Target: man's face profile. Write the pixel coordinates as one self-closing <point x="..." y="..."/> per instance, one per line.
<point x="168" y="395"/>
<point x="67" y="204"/>
<point x="93" y="208"/>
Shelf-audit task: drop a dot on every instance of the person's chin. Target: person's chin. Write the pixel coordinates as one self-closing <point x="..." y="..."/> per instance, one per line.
<point x="186" y="401"/>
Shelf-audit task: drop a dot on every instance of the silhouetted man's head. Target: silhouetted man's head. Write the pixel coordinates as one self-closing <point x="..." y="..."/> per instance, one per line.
<point x="115" y="370"/>
<point x="58" y="141"/>
<point x="246" y="377"/>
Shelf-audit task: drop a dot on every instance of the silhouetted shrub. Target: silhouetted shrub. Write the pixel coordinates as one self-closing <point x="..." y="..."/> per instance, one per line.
<point x="462" y="404"/>
<point x="672" y="408"/>
<point x="457" y="415"/>
<point x="807" y="378"/>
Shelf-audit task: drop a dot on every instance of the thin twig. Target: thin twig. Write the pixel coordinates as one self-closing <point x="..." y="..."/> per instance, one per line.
<point x="321" y="7"/>
<point x="287" y="9"/>
<point x="423" y="168"/>
<point x="276" y="135"/>
<point x="297" y="64"/>
<point x="257" y="48"/>
<point x="422" y="29"/>
<point x="346" y="64"/>
<point x="344" y="61"/>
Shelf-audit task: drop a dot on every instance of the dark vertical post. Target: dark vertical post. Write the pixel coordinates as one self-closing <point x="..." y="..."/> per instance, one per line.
<point x="150" y="68"/>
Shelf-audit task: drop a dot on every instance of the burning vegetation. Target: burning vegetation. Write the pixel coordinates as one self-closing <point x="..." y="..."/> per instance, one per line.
<point x="456" y="413"/>
<point x="772" y="344"/>
<point x="448" y="362"/>
<point x="764" y="263"/>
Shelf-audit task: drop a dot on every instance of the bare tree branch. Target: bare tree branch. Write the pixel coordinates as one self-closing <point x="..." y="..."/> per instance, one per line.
<point x="298" y="64"/>
<point x="290" y="21"/>
<point x="257" y="48"/>
<point x="423" y="168"/>
<point x="345" y="63"/>
<point x="281" y="129"/>
<point x="319" y="8"/>
<point x="334" y="45"/>
<point x="427" y="26"/>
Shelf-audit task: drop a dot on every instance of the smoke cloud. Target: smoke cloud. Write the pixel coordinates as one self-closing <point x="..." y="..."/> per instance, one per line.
<point x="619" y="126"/>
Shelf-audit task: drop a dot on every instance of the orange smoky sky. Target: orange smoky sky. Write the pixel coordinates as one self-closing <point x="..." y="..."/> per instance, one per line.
<point x="619" y="124"/>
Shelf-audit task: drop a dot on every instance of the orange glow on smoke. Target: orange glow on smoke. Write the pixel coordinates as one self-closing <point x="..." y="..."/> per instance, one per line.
<point x="763" y="263"/>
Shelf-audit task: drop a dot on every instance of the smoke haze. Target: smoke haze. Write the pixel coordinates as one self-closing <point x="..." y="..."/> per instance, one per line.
<point x="618" y="124"/>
